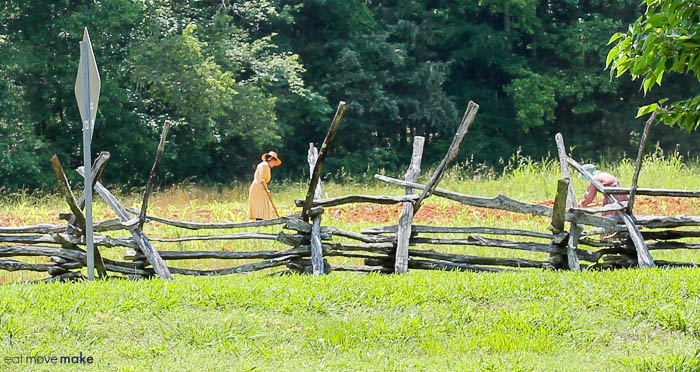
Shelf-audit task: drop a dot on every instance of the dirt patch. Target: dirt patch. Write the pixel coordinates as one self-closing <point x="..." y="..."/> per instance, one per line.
<point x="198" y="215"/>
<point x="7" y="219"/>
<point x="364" y="212"/>
<point x="667" y="206"/>
<point x="435" y="214"/>
<point x="203" y="215"/>
<point x="428" y="213"/>
<point x="657" y="205"/>
<point x="432" y="213"/>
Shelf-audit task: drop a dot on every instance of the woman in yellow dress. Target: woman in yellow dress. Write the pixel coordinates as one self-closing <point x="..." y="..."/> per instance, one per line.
<point x="259" y="201"/>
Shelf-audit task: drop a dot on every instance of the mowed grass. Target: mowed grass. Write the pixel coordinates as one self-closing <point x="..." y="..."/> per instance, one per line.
<point x="426" y="320"/>
<point x="536" y="321"/>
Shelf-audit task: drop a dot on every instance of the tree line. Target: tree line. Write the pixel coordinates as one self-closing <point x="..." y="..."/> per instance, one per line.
<point x="238" y="78"/>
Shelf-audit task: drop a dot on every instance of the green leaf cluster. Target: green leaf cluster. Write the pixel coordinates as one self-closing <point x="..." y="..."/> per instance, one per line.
<point x="666" y="38"/>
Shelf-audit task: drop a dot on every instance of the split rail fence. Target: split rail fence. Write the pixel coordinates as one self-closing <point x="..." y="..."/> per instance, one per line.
<point x="601" y="242"/>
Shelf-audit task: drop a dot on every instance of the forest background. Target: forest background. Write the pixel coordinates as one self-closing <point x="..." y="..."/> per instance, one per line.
<point x="238" y="78"/>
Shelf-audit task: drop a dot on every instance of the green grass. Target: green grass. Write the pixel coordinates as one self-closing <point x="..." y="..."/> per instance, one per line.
<point x="622" y="320"/>
<point x="632" y="320"/>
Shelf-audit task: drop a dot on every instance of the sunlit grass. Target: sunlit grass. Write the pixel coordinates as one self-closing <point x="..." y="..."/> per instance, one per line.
<point x="622" y="320"/>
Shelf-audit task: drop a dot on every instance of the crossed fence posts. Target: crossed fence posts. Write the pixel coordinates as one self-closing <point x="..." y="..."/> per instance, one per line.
<point x="386" y="249"/>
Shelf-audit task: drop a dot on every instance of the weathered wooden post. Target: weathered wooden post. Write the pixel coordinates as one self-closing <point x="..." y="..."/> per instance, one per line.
<point x="403" y="235"/>
<point x="559" y="209"/>
<point x="316" y="174"/>
<point x="575" y="231"/>
<point x="564" y="166"/>
<point x="311" y="158"/>
<point x="467" y="120"/>
<point x="638" y="163"/>
<point x="154" y="173"/>
<point x="64" y="186"/>
<point x="87" y="93"/>
<point x="406" y="219"/>
<point x="316" y="248"/>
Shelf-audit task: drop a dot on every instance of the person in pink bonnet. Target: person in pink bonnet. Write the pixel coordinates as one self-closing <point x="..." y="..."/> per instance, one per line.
<point x="605" y="179"/>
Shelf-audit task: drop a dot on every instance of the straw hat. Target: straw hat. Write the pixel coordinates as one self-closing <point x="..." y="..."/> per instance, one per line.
<point x="275" y="160"/>
<point x="590" y="168"/>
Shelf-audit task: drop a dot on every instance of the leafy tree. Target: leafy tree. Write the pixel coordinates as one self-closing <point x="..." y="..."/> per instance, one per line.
<point x="666" y="38"/>
<point x="378" y="58"/>
<point x="20" y="148"/>
<point x="242" y="77"/>
<point x="200" y="64"/>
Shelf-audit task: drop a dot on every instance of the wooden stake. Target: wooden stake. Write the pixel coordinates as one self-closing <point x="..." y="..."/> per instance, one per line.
<point x="559" y="210"/>
<point x="467" y="120"/>
<point x="311" y="158"/>
<point x="67" y="192"/>
<point x="638" y="163"/>
<point x="564" y="166"/>
<point x="317" y="264"/>
<point x="316" y="247"/>
<point x="154" y="173"/>
<point x="575" y="230"/>
<point x="316" y="175"/>
<point x="406" y="220"/>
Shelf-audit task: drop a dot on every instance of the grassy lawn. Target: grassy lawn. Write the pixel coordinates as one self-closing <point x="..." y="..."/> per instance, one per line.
<point x="530" y="320"/>
<point x="622" y="320"/>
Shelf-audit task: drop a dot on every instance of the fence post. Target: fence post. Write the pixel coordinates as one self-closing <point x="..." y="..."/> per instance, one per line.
<point x="403" y="235"/>
<point x="311" y="158"/>
<point x="316" y="173"/>
<point x="575" y="231"/>
<point x="316" y="247"/>
<point x="638" y="163"/>
<point x="154" y="173"/>
<point x="452" y="151"/>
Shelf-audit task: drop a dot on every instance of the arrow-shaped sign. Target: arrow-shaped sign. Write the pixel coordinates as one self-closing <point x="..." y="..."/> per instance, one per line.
<point x="87" y="92"/>
<point x="93" y="83"/>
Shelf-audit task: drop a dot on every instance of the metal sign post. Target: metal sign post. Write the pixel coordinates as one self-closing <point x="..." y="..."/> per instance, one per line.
<point x="87" y="93"/>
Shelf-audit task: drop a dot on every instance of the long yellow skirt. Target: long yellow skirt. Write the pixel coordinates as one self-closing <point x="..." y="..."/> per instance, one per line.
<point x="259" y="205"/>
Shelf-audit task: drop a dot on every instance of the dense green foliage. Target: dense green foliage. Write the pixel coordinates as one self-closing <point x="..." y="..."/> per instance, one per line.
<point x="665" y="39"/>
<point x="241" y="77"/>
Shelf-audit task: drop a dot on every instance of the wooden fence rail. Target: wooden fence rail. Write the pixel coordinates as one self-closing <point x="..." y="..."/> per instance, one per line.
<point x="301" y="244"/>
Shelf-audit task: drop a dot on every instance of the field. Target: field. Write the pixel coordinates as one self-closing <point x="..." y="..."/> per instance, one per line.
<point x="530" y="320"/>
